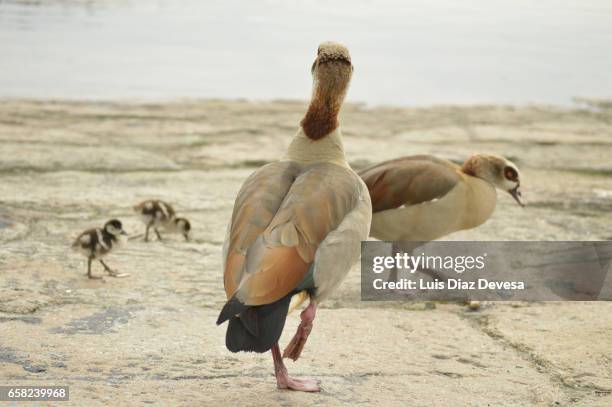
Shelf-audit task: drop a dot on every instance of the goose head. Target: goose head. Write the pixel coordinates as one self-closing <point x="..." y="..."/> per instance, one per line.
<point x="114" y="227"/>
<point x="183" y="227"/>
<point x="331" y="73"/>
<point x="499" y="171"/>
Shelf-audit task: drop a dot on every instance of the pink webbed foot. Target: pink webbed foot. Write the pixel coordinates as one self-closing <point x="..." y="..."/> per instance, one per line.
<point x="283" y="381"/>
<point x="292" y="383"/>
<point x="296" y="345"/>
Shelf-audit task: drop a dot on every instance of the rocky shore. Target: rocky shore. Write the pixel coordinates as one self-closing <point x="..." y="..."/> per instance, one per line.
<point x="151" y="338"/>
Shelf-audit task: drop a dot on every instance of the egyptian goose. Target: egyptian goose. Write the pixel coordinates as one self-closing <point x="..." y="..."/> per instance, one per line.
<point x="296" y="227"/>
<point x="422" y="198"/>
<point x="98" y="242"/>
<point x="158" y="214"/>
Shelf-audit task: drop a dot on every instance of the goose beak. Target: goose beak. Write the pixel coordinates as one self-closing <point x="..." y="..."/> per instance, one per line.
<point x="516" y="194"/>
<point x="123" y="232"/>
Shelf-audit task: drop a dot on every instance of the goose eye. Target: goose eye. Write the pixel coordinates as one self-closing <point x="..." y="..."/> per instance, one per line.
<point x="510" y="174"/>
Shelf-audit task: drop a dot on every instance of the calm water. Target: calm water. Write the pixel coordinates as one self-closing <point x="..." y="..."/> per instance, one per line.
<point x="405" y="52"/>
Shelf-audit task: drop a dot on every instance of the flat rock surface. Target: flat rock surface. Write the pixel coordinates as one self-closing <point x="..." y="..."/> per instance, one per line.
<point x="151" y="338"/>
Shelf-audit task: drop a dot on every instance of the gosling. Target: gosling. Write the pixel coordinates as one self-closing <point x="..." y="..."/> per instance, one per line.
<point x="98" y="242"/>
<point x="157" y="214"/>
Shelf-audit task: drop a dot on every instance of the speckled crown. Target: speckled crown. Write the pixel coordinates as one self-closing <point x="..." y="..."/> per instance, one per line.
<point x="333" y="51"/>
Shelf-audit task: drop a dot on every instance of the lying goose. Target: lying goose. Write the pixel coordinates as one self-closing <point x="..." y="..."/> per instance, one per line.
<point x="422" y="198"/>
<point x="296" y="227"/>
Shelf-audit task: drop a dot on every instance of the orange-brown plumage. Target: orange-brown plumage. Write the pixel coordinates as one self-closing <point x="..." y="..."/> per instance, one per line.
<point x="281" y="270"/>
<point x="233" y="268"/>
<point x="285" y="206"/>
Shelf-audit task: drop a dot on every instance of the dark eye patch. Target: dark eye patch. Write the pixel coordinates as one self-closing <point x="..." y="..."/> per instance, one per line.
<point x="510" y="174"/>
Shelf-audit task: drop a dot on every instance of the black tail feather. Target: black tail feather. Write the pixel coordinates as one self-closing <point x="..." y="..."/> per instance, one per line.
<point x="231" y="308"/>
<point x="249" y="319"/>
<point x="254" y="328"/>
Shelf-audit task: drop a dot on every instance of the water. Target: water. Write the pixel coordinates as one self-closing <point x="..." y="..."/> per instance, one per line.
<point x="416" y="52"/>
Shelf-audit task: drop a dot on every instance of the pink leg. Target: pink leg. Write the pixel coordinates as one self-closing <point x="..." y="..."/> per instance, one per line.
<point x="283" y="381"/>
<point x="294" y="349"/>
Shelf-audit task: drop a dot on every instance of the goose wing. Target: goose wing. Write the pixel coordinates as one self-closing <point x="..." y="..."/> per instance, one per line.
<point x="282" y="214"/>
<point x="409" y="181"/>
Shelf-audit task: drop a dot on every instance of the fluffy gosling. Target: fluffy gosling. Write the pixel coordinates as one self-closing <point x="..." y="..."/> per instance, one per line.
<point x="157" y="214"/>
<point x="98" y="242"/>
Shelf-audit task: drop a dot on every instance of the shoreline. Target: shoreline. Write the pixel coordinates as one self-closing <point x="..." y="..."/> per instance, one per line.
<point x="573" y="102"/>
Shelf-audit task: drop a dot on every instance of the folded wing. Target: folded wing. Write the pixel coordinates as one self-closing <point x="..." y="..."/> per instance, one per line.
<point x="409" y="181"/>
<point x="282" y="214"/>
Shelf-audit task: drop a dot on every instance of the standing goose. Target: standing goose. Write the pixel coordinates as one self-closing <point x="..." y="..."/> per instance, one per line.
<point x="296" y="227"/>
<point x="422" y="198"/>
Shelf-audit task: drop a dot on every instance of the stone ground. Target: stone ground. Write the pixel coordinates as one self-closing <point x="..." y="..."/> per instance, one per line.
<point x="151" y="338"/>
